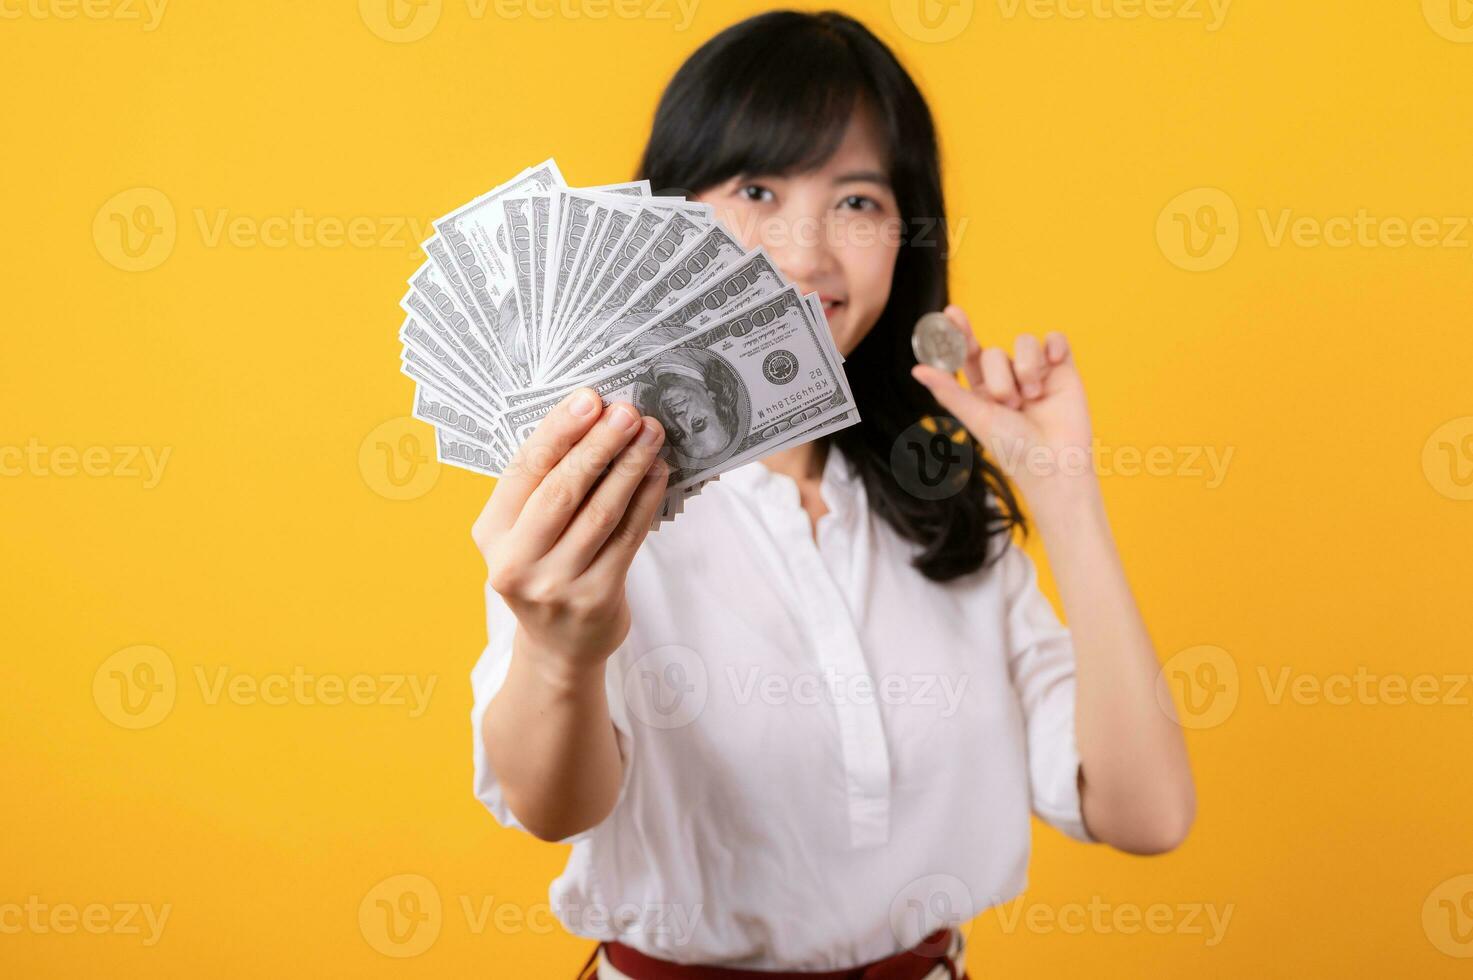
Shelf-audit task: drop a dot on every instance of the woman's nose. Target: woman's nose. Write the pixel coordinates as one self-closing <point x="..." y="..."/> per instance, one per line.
<point x="802" y="250"/>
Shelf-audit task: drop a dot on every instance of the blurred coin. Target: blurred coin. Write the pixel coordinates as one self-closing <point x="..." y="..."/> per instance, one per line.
<point x="938" y="343"/>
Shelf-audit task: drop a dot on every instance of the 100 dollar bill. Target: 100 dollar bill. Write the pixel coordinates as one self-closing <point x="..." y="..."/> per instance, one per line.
<point x="734" y="389"/>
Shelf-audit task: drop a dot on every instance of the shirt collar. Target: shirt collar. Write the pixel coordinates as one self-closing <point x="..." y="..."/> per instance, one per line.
<point x="838" y="480"/>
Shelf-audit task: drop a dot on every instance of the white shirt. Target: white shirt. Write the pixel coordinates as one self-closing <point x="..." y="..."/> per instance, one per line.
<point x="827" y="755"/>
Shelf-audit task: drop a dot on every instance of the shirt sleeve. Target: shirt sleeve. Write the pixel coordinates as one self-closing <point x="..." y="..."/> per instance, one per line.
<point x="487" y="677"/>
<point x="1041" y="662"/>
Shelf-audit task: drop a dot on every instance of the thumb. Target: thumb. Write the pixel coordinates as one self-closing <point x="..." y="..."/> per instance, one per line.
<point x="972" y="409"/>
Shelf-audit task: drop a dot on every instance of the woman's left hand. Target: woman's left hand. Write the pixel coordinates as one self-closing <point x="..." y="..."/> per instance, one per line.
<point x="1028" y="412"/>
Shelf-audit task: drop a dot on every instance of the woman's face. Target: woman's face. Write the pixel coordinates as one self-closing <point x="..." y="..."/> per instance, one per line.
<point x="689" y="416"/>
<point x="834" y="231"/>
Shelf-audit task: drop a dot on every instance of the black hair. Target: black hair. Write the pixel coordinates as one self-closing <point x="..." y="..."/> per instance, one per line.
<point x="774" y="94"/>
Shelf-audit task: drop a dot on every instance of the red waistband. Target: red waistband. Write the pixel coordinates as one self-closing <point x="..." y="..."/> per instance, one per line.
<point x="908" y="964"/>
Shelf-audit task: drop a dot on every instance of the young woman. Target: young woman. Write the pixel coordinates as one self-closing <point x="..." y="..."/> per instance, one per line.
<point x="800" y="730"/>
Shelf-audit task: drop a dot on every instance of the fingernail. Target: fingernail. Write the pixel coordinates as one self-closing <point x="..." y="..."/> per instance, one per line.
<point x="583" y="404"/>
<point x="650" y="434"/>
<point x="622" y="417"/>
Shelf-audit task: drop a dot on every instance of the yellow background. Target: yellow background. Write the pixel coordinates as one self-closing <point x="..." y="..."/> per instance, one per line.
<point x="1337" y="540"/>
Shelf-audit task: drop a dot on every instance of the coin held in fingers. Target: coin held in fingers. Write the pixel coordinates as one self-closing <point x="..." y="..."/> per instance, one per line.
<point x="937" y="343"/>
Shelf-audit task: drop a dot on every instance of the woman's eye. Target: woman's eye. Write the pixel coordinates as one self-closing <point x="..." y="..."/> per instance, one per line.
<point x="861" y="203"/>
<point x="755" y="192"/>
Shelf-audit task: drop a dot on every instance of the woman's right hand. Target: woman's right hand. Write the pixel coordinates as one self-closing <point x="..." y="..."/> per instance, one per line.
<point x="558" y="540"/>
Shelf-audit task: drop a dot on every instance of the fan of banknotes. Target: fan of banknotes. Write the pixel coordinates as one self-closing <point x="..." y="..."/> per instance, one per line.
<point x="536" y="288"/>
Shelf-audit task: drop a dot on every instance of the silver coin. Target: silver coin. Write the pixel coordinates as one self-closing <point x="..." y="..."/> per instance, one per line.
<point x="937" y="343"/>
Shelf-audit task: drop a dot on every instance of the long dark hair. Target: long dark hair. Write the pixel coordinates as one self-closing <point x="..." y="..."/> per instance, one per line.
<point x="773" y="95"/>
